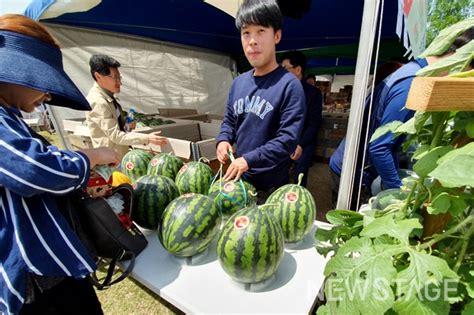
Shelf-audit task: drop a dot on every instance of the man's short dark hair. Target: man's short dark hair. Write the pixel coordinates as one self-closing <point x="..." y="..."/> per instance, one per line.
<point x="259" y="12"/>
<point x="296" y="58"/>
<point x="310" y="76"/>
<point x="102" y="64"/>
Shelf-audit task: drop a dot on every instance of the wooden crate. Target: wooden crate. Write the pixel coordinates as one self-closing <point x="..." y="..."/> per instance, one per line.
<point x="441" y="94"/>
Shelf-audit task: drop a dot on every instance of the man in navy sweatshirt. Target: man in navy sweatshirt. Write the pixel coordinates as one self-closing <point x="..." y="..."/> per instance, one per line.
<point x="266" y="105"/>
<point x="295" y="62"/>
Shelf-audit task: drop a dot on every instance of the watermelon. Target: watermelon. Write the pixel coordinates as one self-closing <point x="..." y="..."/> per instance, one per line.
<point x="165" y="164"/>
<point x="135" y="164"/>
<point x="194" y="177"/>
<point x="189" y="224"/>
<point x="295" y="209"/>
<point x="151" y="195"/>
<point x="250" y="245"/>
<point x="232" y="196"/>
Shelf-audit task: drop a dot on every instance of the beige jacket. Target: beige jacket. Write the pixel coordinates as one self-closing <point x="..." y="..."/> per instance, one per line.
<point x="102" y="122"/>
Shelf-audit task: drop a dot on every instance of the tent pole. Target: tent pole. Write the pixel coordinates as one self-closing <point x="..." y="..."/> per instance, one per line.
<point x="57" y="126"/>
<point x="364" y="56"/>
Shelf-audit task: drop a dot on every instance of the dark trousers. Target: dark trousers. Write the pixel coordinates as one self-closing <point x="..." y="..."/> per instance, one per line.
<point x="70" y="296"/>
<point x="303" y="164"/>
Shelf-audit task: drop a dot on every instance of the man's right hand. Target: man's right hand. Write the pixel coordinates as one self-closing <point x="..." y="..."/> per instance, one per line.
<point x="155" y="138"/>
<point x="222" y="153"/>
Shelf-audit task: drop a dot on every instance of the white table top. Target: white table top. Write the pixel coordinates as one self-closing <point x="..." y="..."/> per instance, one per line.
<point x="204" y="287"/>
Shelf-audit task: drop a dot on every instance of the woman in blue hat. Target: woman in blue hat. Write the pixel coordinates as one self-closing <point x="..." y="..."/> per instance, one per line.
<point x="42" y="263"/>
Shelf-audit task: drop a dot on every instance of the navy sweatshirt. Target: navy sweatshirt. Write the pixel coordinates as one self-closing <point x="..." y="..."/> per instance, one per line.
<point x="264" y="118"/>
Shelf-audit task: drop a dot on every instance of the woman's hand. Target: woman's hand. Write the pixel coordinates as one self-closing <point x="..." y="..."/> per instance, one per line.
<point x="102" y="156"/>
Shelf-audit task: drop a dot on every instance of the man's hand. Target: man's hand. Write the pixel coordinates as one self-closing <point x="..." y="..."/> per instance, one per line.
<point x="297" y="154"/>
<point x="222" y="152"/>
<point x="236" y="169"/>
<point x="155" y="138"/>
<point x="132" y="125"/>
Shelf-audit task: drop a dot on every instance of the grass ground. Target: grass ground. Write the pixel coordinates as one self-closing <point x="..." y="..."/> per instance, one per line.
<point x="130" y="297"/>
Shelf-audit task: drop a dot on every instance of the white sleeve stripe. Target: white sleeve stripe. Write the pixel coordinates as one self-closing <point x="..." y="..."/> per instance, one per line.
<point x="42" y="240"/>
<point x="85" y="167"/>
<point x="68" y="242"/>
<point x="17" y="238"/>
<point x="9" y="285"/>
<point x="4" y="209"/>
<point x="65" y="157"/>
<point x="4" y="122"/>
<point x="36" y="163"/>
<point x="21" y="180"/>
<point x="2" y="301"/>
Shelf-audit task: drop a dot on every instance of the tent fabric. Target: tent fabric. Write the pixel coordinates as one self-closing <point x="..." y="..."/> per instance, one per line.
<point x="154" y="74"/>
<point x="199" y="24"/>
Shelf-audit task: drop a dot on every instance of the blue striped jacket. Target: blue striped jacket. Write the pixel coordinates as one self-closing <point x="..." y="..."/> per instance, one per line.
<point x="34" y="237"/>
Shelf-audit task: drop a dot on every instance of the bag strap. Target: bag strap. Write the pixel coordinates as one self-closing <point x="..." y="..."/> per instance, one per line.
<point x="107" y="281"/>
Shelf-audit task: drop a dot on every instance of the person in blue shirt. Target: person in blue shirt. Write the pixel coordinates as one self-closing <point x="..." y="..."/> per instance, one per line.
<point x="42" y="263"/>
<point x="295" y="62"/>
<point x="389" y="105"/>
<point x="266" y="105"/>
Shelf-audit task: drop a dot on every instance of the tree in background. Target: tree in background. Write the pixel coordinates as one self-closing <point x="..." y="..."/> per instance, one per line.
<point x="443" y="13"/>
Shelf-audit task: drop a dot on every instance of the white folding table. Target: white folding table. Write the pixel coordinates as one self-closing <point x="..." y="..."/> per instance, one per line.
<point x="204" y="287"/>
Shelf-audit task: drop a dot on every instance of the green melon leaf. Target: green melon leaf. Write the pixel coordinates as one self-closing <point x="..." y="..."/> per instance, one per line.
<point x="390" y="127"/>
<point x="408" y="127"/>
<point x="421" y="151"/>
<point x="440" y="204"/>
<point x="468" y="309"/>
<point x="425" y="273"/>
<point x="428" y="161"/>
<point x="343" y="217"/>
<point x="468" y="149"/>
<point x="427" y="302"/>
<point x="387" y="226"/>
<point x="456" y="171"/>
<point x="360" y="277"/>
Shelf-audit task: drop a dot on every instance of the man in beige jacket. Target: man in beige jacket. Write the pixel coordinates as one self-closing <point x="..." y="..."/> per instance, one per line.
<point x="105" y="121"/>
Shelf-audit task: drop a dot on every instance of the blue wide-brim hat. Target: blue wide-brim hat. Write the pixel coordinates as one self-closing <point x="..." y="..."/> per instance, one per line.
<point x="32" y="63"/>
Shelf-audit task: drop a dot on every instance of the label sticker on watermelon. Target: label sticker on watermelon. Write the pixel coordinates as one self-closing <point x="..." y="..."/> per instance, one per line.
<point x="129" y="166"/>
<point x="154" y="162"/>
<point x="228" y="187"/>
<point x="291" y="197"/>
<point x="241" y="222"/>
<point x="183" y="168"/>
<point x="186" y="195"/>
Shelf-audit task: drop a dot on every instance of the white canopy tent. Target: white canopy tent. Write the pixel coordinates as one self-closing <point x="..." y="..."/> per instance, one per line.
<point x="154" y="74"/>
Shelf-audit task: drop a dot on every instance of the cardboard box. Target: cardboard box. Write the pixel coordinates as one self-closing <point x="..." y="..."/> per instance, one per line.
<point x="175" y="112"/>
<point x="209" y="118"/>
<point x="189" y="141"/>
<point x="71" y="124"/>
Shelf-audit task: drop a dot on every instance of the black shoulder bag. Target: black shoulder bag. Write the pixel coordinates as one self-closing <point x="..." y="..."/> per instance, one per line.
<point x="101" y="231"/>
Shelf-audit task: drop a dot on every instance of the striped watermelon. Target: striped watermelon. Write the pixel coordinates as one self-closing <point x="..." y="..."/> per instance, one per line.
<point x="135" y="163"/>
<point x="194" y="177"/>
<point x="189" y="224"/>
<point x="232" y="196"/>
<point x="295" y="210"/>
<point x="165" y="164"/>
<point x="250" y="246"/>
<point x="150" y="197"/>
